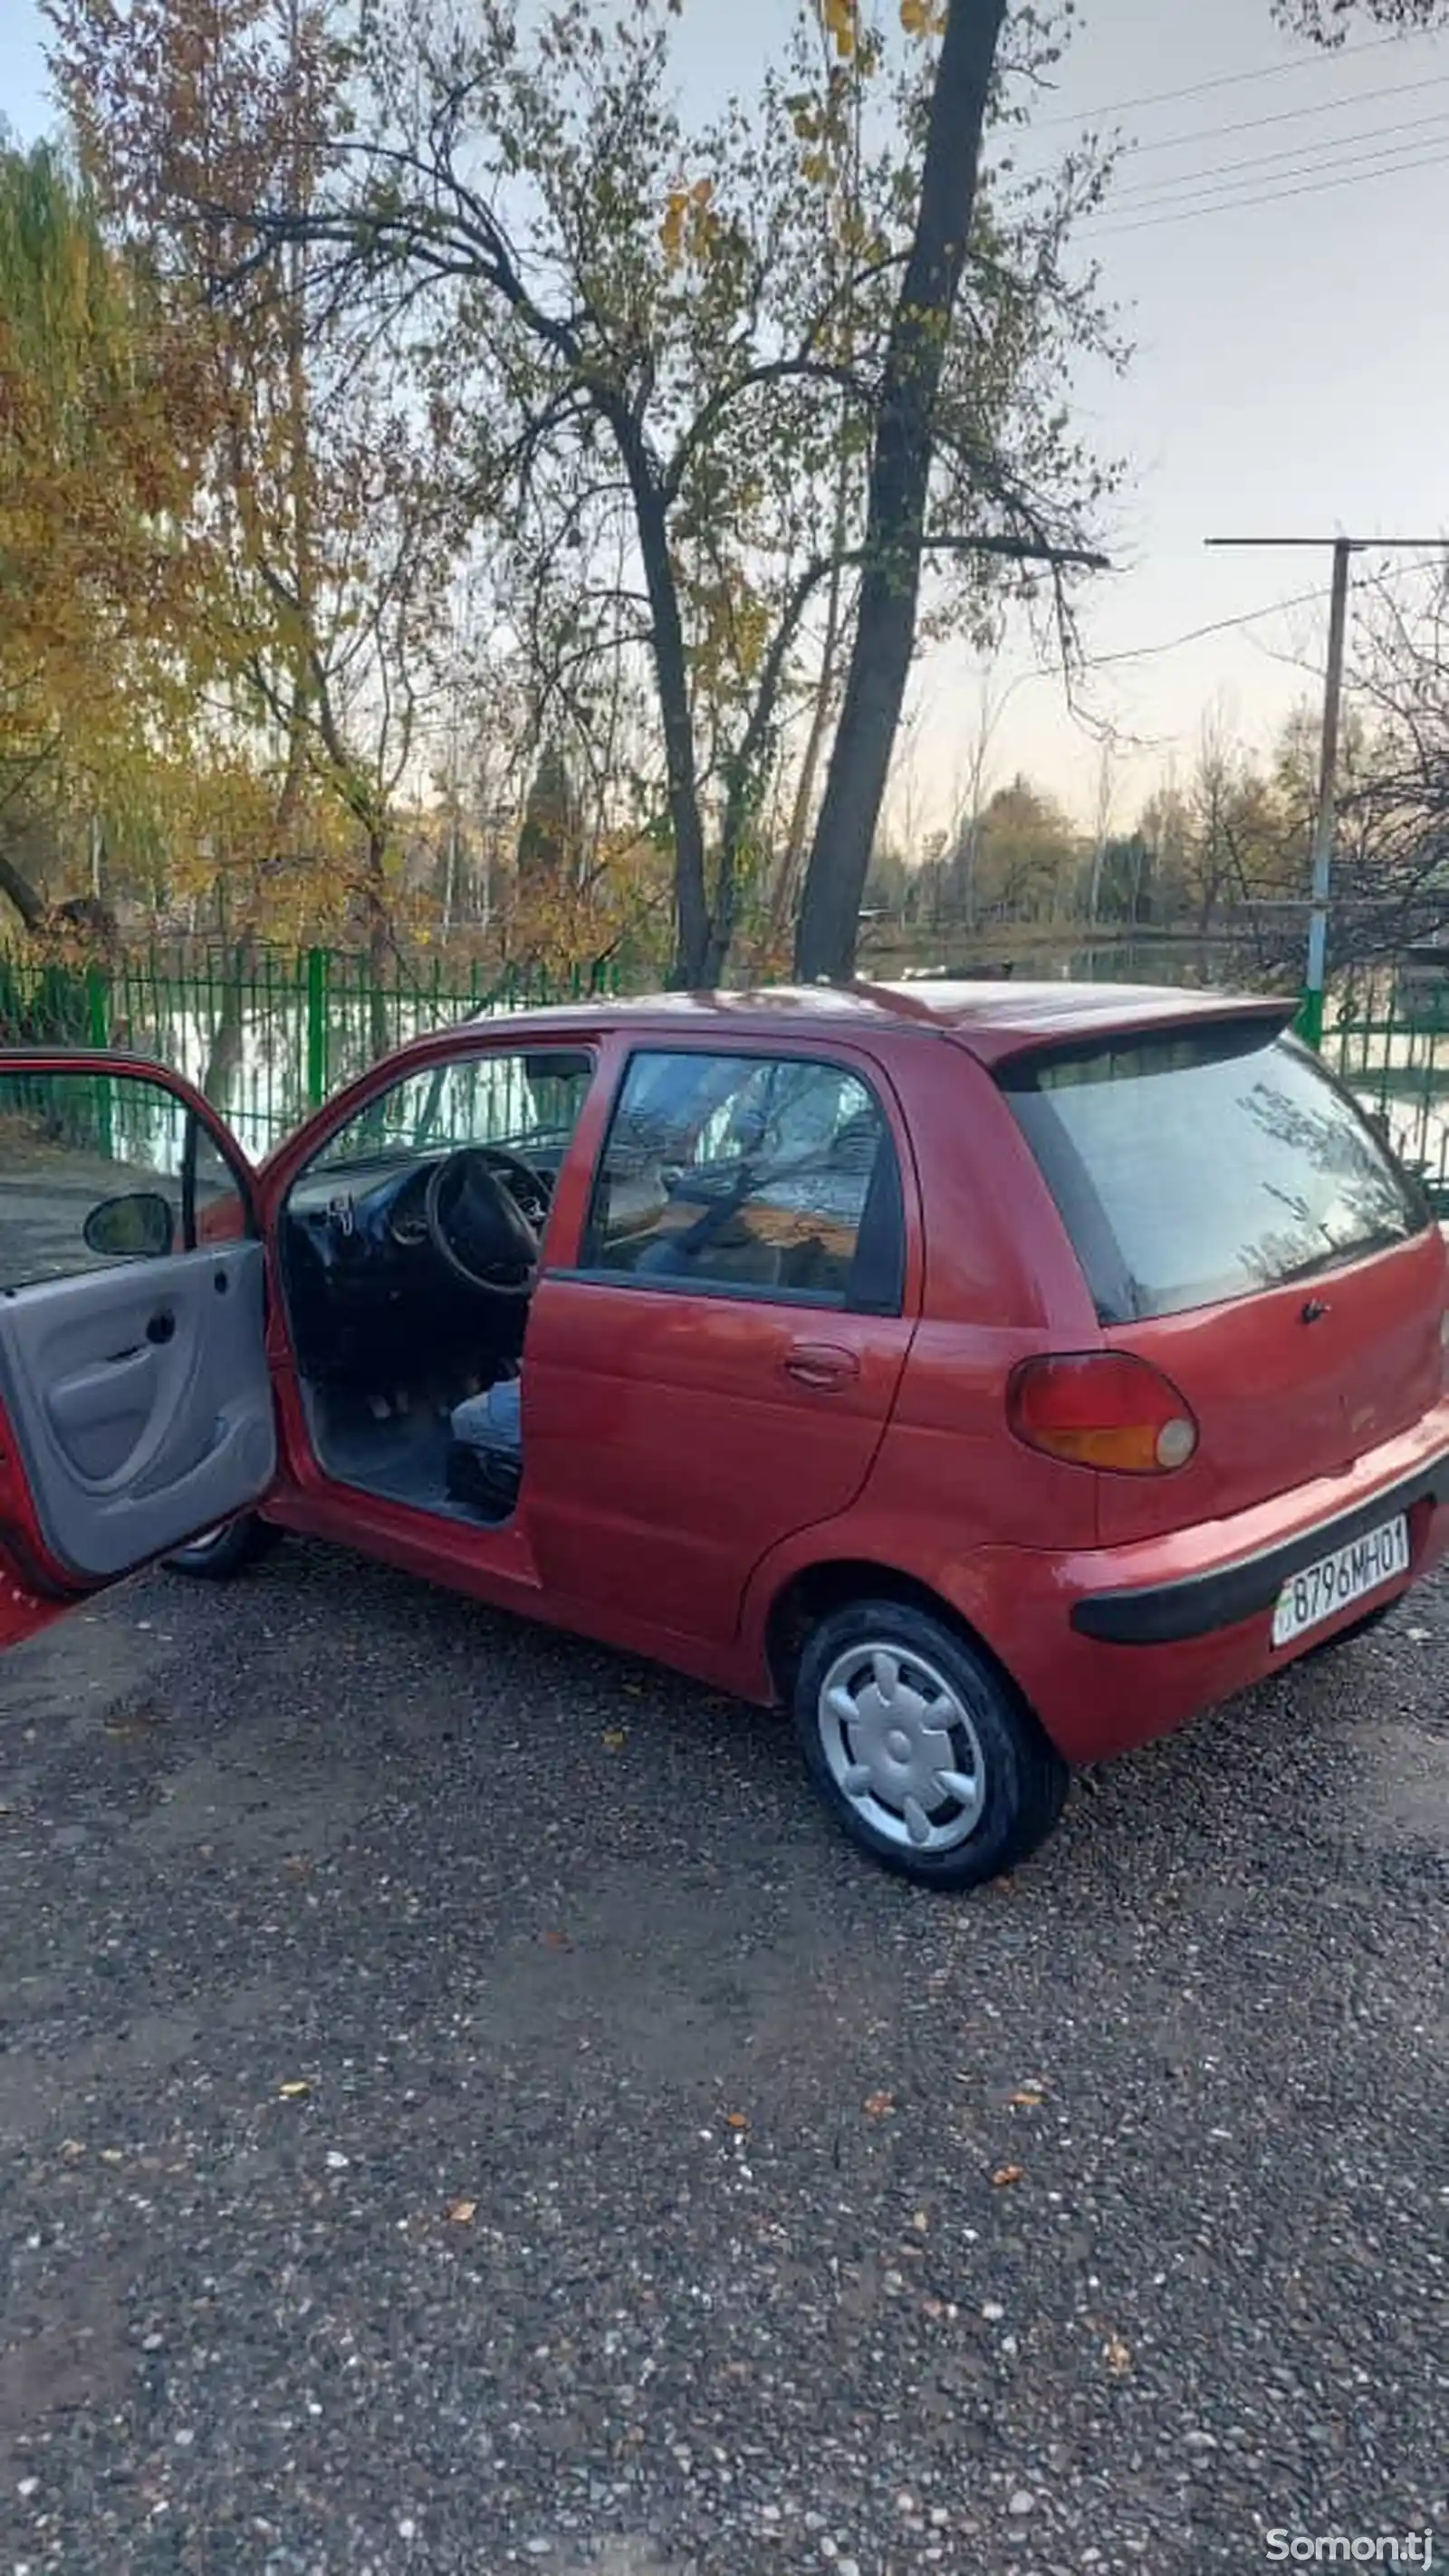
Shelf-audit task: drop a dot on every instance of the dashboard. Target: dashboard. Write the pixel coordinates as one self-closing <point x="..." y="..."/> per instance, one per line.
<point x="368" y="1290"/>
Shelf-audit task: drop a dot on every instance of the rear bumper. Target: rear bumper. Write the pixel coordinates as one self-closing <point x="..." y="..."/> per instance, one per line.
<point x="1116" y="1646"/>
<point x="1165" y="1614"/>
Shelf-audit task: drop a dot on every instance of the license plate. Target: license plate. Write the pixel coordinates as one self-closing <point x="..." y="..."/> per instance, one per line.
<point x="1325" y="1588"/>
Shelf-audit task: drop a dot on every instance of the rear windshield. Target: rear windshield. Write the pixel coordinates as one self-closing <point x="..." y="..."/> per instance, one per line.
<point x="1194" y="1168"/>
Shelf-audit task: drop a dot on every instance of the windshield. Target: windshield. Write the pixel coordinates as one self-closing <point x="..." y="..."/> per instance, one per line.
<point x="1195" y="1168"/>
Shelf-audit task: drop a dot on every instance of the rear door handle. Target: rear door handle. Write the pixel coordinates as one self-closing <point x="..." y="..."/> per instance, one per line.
<point x="821" y="1365"/>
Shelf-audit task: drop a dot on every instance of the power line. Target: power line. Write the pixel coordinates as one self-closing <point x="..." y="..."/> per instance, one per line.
<point x="1261" y="164"/>
<point x="1253" y="616"/>
<point x="1287" y="115"/>
<point x="1224" y="80"/>
<point x="1273" y="197"/>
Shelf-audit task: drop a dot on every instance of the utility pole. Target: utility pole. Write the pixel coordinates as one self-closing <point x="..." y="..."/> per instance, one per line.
<point x="1344" y="549"/>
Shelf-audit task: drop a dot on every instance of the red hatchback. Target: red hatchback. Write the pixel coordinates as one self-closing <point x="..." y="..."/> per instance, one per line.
<point x="997" y="1375"/>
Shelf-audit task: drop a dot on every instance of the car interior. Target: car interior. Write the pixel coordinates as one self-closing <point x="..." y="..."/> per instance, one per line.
<point x="411" y="1244"/>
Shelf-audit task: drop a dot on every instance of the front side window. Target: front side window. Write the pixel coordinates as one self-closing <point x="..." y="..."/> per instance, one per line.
<point x="1194" y="1168"/>
<point x="97" y="1168"/>
<point x="771" y="1176"/>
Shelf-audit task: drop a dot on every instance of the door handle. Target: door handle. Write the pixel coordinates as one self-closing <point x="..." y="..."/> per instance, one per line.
<point x="821" y="1365"/>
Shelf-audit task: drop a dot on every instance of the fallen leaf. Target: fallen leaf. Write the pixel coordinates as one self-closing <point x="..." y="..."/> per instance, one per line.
<point x="111" y="2156"/>
<point x="615" y="1737"/>
<point x="880" y="2105"/>
<point x="1117" y="2355"/>
<point x="297" y="1865"/>
<point x="1005" y="2175"/>
<point x="736" y="2120"/>
<point x="1027" y="2099"/>
<point x="460" y="2211"/>
<point x="555" y="1941"/>
<point x="920" y="2222"/>
<point x="295" y="2091"/>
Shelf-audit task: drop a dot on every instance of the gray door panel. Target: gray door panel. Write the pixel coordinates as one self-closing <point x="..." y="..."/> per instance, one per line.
<point x="140" y="1401"/>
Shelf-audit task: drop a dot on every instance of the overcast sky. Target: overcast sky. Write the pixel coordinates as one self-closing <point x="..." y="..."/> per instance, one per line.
<point x="1292" y="366"/>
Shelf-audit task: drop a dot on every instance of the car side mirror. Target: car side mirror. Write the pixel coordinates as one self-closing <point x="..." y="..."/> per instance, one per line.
<point x="136" y="1226"/>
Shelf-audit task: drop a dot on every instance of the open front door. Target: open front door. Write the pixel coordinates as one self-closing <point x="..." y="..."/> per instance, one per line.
<point x="135" y="1399"/>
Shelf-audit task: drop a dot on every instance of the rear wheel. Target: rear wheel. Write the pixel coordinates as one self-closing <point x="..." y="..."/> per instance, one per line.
<point x="922" y="1750"/>
<point x="220" y="1553"/>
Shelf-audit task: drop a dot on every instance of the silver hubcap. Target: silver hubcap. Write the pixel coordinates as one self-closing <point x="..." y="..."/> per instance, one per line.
<point x="902" y="1748"/>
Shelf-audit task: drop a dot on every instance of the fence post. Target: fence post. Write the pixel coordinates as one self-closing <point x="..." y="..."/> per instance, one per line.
<point x="98" y="1007"/>
<point x="318" y="962"/>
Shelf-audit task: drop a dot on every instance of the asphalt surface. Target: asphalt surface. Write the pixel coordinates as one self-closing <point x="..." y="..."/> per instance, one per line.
<point x="461" y="2107"/>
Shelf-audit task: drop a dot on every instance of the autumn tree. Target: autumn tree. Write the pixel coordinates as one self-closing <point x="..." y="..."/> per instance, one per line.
<point x="321" y="493"/>
<point x="102" y="432"/>
<point x="659" y="341"/>
<point x="1026" y="856"/>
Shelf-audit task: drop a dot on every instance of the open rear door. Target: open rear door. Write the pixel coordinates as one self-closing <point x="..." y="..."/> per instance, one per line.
<point x="135" y="1399"/>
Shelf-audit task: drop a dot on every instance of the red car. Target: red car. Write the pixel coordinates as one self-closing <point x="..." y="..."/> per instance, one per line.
<point x="996" y="1375"/>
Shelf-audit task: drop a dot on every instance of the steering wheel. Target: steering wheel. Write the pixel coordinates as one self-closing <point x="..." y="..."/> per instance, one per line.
<point x="476" y="1224"/>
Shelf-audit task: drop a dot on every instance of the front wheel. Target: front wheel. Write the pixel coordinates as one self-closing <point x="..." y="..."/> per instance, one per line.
<point x="921" y="1748"/>
<point x="220" y="1553"/>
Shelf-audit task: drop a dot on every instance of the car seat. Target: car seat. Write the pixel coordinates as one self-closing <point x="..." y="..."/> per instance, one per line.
<point x="485" y="1453"/>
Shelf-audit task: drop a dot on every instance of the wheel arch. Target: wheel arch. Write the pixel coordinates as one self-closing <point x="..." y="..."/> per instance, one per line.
<point x="813" y="1591"/>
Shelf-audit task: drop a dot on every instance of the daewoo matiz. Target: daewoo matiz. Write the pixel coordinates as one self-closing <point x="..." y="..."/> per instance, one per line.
<point x="994" y="1374"/>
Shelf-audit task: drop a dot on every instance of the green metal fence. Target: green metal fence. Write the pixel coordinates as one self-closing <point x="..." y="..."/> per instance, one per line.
<point x="1387" y="1035"/>
<point x="267" y="1033"/>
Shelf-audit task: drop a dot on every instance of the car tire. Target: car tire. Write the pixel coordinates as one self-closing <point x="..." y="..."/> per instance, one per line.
<point x="922" y="1749"/>
<point x="227" y="1551"/>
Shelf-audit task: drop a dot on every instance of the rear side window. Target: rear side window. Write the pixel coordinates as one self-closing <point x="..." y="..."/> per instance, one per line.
<point x="758" y="1176"/>
<point x="1195" y="1168"/>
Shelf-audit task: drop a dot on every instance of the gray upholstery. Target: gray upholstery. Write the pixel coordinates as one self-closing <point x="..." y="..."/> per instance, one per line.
<point x="494" y="1420"/>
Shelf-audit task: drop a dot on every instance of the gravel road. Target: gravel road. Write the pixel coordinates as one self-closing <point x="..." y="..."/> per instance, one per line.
<point x="461" y="2108"/>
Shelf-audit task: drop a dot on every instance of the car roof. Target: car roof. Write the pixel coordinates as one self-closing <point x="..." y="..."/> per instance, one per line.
<point x="993" y="1019"/>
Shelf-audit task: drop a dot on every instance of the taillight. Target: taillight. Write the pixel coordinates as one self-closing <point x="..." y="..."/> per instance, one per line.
<point x="1102" y="1409"/>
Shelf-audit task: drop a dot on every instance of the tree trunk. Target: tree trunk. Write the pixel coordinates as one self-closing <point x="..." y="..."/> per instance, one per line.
<point x="885" y="631"/>
<point x="694" y="949"/>
<point x="28" y="901"/>
<point x="224" y="1054"/>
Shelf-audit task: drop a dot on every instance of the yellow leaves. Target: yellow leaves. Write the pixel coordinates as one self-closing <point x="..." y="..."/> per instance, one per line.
<point x="1117" y="2356"/>
<point x="460" y="2213"/>
<point x="1006" y="2175"/>
<point x="296" y="2090"/>
<point x="736" y="2120"/>
<point x="614" y="1739"/>
<point x="923" y="17"/>
<point x="841" y="21"/>
<point x="691" y="228"/>
<point x="879" y="2106"/>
